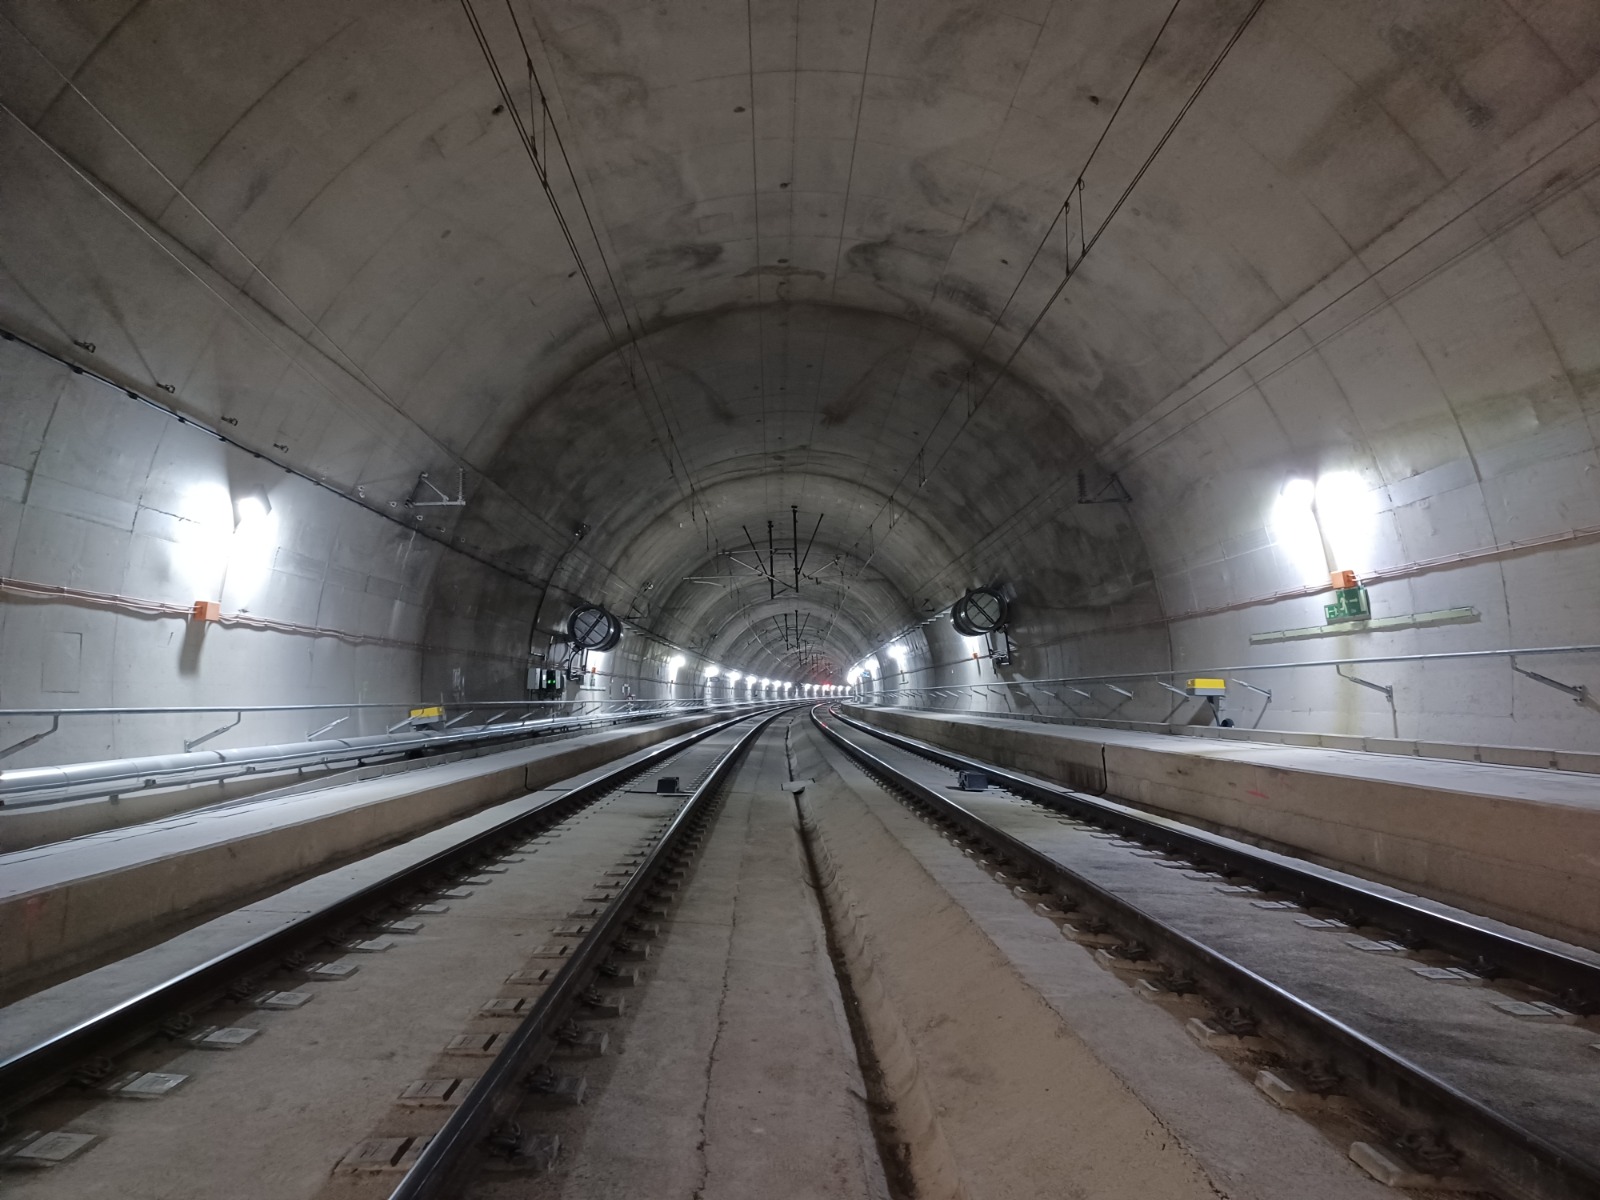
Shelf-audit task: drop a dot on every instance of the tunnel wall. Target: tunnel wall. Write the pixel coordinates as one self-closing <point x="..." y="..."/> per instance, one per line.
<point x="1425" y="417"/>
<point x="133" y="513"/>
<point x="492" y="628"/>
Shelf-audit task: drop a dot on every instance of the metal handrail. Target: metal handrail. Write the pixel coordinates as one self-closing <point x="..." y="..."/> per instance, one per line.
<point x="1436" y="656"/>
<point x="178" y="709"/>
<point x="41" y="785"/>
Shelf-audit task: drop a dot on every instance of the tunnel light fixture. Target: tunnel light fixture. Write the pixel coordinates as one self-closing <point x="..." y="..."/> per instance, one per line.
<point x="1347" y="515"/>
<point x="712" y="671"/>
<point x="900" y="654"/>
<point x="250" y="506"/>
<point x="1294" y="527"/>
<point x="733" y="678"/>
<point x="674" y="665"/>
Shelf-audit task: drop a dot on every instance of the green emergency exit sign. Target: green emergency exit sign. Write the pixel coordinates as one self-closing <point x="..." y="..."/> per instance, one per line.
<point x="1349" y="604"/>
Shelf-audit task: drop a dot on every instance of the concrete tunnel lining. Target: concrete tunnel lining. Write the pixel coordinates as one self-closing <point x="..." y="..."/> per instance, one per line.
<point x="1363" y="256"/>
<point x="347" y="347"/>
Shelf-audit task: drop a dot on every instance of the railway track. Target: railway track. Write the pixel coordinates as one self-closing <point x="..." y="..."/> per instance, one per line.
<point x="1456" y="1051"/>
<point x="597" y="858"/>
<point x="450" y="1060"/>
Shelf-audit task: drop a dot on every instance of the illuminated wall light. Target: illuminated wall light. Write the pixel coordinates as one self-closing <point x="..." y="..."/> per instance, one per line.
<point x="1324" y="526"/>
<point x="674" y="665"/>
<point x="251" y="548"/>
<point x="1294" y="528"/>
<point x="1347" y="512"/>
<point x="712" y="671"/>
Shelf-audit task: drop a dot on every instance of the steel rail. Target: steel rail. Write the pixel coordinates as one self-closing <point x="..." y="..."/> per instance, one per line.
<point x="1575" y="980"/>
<point x="1511" y="1154"/>
<point x="38" y="1070"/>
<point x="494" y="1097"/>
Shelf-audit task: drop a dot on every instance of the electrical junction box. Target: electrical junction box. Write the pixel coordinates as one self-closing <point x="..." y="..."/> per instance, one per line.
<point x="427" y="718"/>
<point x="206" y="610"/>
<point x="1349" y="604"/>
<point x="545" y="679"/>
<point x="1206" y="687"/>
<point x="972" y="781"/>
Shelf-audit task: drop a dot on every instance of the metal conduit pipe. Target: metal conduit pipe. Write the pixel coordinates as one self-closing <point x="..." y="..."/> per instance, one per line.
<point x="44" y="785"/>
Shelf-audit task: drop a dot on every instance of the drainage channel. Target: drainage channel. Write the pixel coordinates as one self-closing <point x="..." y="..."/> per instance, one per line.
<point x="394" y="966"/>
<point x="893" y="1140"/>
<point x="1437" y="1075"/>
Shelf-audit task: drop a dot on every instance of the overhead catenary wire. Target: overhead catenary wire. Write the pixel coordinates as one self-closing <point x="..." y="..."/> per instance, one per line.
<point x="1117" y="446"/>
<point x="1087" y="245"/>
<point x="1061" y="216"/>
<point x="328" y="347"/>
<point x="541" y="167"/>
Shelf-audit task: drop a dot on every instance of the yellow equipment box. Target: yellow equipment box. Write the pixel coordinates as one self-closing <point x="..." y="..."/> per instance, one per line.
<point x="1207" y="687"/>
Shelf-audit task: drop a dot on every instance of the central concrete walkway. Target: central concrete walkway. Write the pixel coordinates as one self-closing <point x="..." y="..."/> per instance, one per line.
<point x="737" y="1078"/>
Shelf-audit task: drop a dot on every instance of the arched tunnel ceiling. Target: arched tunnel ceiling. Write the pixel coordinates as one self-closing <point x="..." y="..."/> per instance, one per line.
<point x="821" y="220"/>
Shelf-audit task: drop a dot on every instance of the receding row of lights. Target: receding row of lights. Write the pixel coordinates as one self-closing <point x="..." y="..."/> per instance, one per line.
<point x="755" y="682"/>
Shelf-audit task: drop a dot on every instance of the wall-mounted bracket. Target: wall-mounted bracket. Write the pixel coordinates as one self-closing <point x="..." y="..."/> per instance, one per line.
<point x="1578" y="692"/>
<point x="1113" y="485"/>
<point x="1004" y="655"/>
<point x="35" y="739"/>
<point x="1111" y="687"/>
<point x="220" y="729"/>
<point x="1260" y="691"/>
<point x="1386" y="689"/>
<point x="316" y="733"/>
<point x="1176" y="691"/>
<point x="445" y="500"/>
<point x="1080" y="692"/>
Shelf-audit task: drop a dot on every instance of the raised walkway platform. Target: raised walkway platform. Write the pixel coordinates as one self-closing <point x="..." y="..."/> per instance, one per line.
<point x="1520" y="844"/>
<point x="73" y="904"/>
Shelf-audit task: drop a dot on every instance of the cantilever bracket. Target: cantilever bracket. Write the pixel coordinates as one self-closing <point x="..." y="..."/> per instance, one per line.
<point x="1176" y="691"/>
<point x="206" y="737"/>
<point x="316" y="733"/>
<point x="1260" y="691"/>
<point x="35" y="739"/>
<point x="445" y="500"/>
<point x="1119" y="493"/>
<point x="1578" y="692"/>
<point x="1387" y="690"/>
<point x="1111" y="687"/>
